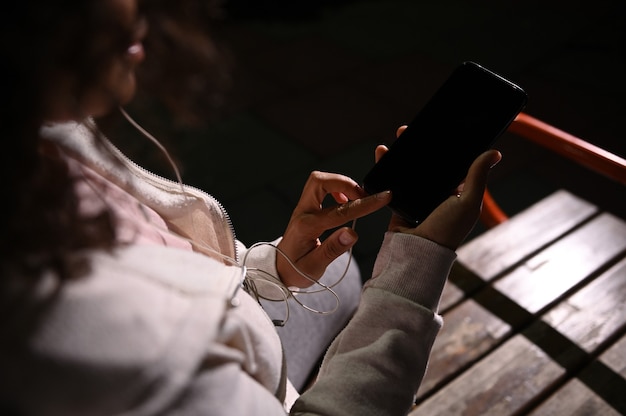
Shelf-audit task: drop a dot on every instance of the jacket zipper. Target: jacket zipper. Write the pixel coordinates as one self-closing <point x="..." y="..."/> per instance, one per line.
<point x="125" y="159"/>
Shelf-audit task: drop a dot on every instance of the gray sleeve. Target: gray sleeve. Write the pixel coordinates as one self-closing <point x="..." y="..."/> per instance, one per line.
<point x="375" y="365"/>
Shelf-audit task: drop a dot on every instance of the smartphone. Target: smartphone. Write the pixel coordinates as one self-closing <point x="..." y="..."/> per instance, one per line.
<point x="427" y="162"/>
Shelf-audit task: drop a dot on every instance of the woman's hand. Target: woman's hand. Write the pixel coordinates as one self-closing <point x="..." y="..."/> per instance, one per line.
<point x="310" y="219"/>
<point x="451" y="222"/>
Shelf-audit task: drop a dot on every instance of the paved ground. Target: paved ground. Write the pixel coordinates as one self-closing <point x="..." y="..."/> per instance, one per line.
<point x="317" y="86"/>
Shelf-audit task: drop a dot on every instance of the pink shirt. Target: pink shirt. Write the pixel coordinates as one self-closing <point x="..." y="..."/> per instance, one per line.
<point x="135" y="222"/>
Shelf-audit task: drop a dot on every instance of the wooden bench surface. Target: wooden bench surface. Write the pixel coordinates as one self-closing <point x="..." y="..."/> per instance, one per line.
<point x="534" y="318"/>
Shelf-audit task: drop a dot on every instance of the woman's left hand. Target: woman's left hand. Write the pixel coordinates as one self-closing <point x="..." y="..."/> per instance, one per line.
<point x="310" y="219"/>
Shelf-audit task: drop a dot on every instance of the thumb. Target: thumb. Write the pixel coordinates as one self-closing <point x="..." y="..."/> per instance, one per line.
<point x="336" y="244"/>
<point x="476" y="179"/>
<point x="332" y="247"/>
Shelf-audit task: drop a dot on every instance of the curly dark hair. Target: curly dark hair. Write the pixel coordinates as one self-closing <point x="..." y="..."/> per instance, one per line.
<point x="40" y="225"/>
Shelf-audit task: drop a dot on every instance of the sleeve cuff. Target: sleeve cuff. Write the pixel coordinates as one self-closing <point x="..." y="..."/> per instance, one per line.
<point x="412" y="267"/>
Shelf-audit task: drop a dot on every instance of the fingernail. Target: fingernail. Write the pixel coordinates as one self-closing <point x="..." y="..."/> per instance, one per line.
<point x="346" y="238"/>
<point x="496" y="162"/>
<point x="383" y="195"/>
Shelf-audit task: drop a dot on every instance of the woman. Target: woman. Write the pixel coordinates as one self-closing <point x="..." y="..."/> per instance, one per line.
<point x="123" y="293"/>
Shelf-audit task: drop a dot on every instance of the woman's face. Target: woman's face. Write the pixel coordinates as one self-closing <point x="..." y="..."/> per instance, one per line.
<point x="117" y="84"/>
<point x="120" y="80"/>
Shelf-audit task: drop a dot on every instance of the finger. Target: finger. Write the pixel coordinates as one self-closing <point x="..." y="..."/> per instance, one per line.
<point x="321" y="184"/>
<point x="304" y="230"/>
<point x="339" y="197"/>
<point x="476" y="180"/>
<point x="332" y="217"/>
<point x="332" y="247"/>
<point x="381" y="149"/>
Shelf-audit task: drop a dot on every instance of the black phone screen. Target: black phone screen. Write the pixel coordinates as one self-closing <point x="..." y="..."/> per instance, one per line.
<point x="431" y="157"/>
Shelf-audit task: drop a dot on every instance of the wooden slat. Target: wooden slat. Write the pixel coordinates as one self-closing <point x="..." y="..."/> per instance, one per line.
<point x="615" y="357"/>
<point x="469" y="332"/>
<point x="452" y="291"/>
<point x="503" y="246"/>
<point x="558" y="268"/>
<point x="601" y="391"/>
<point x="501" y="384"/>
<point x="595" y="313"/>
<point x="575" y="399"/>
<point x="498" y="249"/>
<point x="585" y="324"/>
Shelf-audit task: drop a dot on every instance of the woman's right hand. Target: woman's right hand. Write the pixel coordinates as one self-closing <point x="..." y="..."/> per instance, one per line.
<point x="451" y="222"/>
<point x="310" y="219"/>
